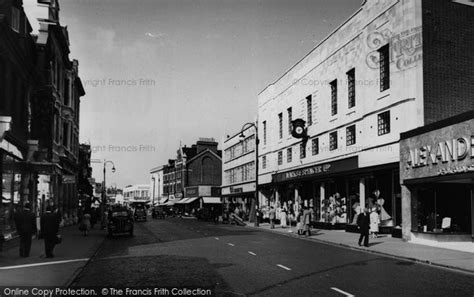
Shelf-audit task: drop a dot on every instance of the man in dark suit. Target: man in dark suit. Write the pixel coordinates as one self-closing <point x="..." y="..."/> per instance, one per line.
<point x="363" y="221"/>
<point x="25" y="222"/>
<point x="49" y="230"/>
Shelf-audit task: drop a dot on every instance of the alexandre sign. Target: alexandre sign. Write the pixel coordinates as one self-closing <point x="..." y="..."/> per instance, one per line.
<point x="449" y="150"/>
<point x="318" y="170"/>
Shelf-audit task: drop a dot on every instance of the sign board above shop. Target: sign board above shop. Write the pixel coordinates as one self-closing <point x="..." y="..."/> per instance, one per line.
<point x="319" y="170"/>
<point x="444" y="151"/>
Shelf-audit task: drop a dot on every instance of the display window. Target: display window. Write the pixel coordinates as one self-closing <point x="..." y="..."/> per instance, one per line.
<point x="11" y="183"/>
<point x="444" y="208"/>
<point x="334" y="206"/>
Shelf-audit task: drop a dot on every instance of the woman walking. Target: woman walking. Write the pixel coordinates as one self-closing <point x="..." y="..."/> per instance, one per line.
<point x="86" y="224"/>
<point x="374" y="223"/>
<point x="283" y="217"/>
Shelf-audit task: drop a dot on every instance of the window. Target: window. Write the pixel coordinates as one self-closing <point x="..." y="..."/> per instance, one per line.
<point x="333" y="141"/>
<point x="56" y="128"/>
<point x="309" y="109"/>
<point x="351" y="135"/>
<point x="334" y="97"/>
<point x="15" y="19"/>
<point x="264" y="162"/>
<point x="280" y="124"/>
<point x="384" y="67"/>
<point x="280" y="157"/>
<point x="66" y="135"/>
<point x="290" y="118"/>
<point x="3" y="85"/>
<point x="264" y="132"/>
<point x="384" y="123"/>
<point x="303" y="150"/>
<point x="351" y="87"/>
<point x="315" y="146"/>
<point x="66" y="92"/>
<point x="289" y="155"/>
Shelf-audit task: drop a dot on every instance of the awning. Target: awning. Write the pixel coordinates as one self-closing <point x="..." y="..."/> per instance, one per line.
<point x="182" y="201"/>
<point x="212" y="200"/>
<point x="169" y="203"/>
<point x="191" y="199"/>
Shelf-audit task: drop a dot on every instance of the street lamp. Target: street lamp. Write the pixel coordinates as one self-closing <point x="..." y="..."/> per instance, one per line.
<point x="242" y="136"/>
<point x="104" y="190"/>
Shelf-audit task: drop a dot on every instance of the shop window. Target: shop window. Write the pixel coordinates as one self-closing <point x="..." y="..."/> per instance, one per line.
<point x="302" y="150"/>
<point x="280" y="125"/>
<point x="290" y="118"/>
<point x="309" y="109"/>
<point x="315" y="146"/>
<point x="280" y="158"/>
<point x="333" y="141"/>
<point x="289" y="155"/>
<point x="438" y="213"/>
<point x="351" y="87"/>
<point x="350" y="135"/>
<point x="334" y="97"/>
<point x="384" y="60"/>
<point x="384" y="123"/>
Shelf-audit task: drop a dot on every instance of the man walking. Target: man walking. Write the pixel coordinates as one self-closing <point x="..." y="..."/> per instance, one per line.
<point x="49" y="229"/>
<point x="307" y="221"/>
<point x="271" y="216"/>
<point x="25" y="222"/>
<point x="363" y="222"/>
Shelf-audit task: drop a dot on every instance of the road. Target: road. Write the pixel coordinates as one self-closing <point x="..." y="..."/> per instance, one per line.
<point x="241" y="261"/>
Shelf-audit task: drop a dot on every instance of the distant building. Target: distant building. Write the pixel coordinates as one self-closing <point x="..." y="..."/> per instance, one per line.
<point x="393" y="66"/>
<point x="196" y="172"/>
<point x="137" y="193"/>
<point x="238" y="170"/>
<point x="156" y="187"/>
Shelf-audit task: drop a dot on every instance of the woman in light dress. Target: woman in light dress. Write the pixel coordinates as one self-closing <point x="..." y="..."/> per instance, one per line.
<point x="374" y="223"/>
<point x="283" y="217"/>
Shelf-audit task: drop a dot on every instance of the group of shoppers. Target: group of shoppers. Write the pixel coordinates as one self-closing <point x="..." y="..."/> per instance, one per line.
<point x="25" y="221"/>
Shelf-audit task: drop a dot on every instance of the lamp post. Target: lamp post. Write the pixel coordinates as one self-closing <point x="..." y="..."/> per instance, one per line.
<point x="104" y="191"/>
<point x="242" y="136"/>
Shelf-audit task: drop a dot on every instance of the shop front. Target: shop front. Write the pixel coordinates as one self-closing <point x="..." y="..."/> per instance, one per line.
<point x="239" y="196"/>
<point x="337" y="191"/>
<point x="437" y="177"/>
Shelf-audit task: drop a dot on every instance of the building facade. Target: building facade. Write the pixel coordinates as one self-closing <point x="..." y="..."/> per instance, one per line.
<point x="137" y="193"/>
<point x="19" y="80"/>
<point x="196" y="172"/>
<point x="238" y="170"/>
<point x="156" y="178"/>
<point x="379" y="74"/>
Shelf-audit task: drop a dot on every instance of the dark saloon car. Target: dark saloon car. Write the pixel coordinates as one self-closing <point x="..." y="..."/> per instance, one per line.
<point x="120" y="221"/>
<point x="140" y="212"/>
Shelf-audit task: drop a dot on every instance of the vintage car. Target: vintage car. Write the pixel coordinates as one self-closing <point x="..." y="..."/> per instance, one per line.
<point x="120" y="221"/>
<point x="140" y="212"/>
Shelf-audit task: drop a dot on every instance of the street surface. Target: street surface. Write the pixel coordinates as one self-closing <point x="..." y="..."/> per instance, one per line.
<point x="240" y="261"/>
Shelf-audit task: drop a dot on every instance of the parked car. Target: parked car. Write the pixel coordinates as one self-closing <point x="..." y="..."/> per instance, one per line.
<point x="120" y="221"/>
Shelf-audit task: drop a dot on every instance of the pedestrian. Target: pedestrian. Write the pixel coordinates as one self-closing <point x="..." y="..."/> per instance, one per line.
<point x="25" y="222"/>
<point x="272" y="216"/>
<point x="363" y="222"/>
<point x="307" y="221"/>
<point x="85" y="226"/>
<point x="49" y="230"/>
<point x="283" y="216"/>
<point x="374" y="223"/>
<point x="299" y="223"/>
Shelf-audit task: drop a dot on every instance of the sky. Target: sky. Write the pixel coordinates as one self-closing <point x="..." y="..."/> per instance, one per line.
<point x="160" y="73"/>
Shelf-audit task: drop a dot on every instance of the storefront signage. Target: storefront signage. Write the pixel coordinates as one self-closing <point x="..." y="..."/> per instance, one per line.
<point x="445" y="151"/>
<point x="318" y="170"/>
<point x="191" y="191"/>
<point x="236" y="190"/>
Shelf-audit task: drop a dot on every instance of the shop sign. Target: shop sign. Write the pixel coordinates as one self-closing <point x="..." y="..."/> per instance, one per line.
<point x="236" y="189"/>
<point x="69" y="179"/>
<point x="215" y="191"/>
<point x="449" y="150"/>
<point x="318" y="170"/>
<point x="191" y="191"/>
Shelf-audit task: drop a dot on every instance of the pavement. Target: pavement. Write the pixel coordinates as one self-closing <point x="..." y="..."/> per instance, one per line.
<point x="387" y="246"/>
<point x="70" y="257"/>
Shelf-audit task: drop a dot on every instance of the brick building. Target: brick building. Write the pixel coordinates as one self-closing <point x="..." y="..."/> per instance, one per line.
<point x="391" y="67"/>
<point x="195" y="173"/>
